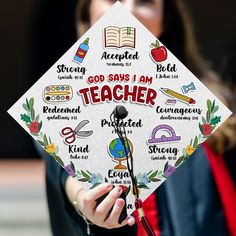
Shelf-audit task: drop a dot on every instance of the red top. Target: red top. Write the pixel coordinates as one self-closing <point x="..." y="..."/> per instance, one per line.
<point x="225" y="187"/>
<point x="150" y="209"/>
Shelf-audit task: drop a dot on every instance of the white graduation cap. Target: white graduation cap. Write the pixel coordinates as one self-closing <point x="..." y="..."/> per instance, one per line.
<point x="117" y="68"/>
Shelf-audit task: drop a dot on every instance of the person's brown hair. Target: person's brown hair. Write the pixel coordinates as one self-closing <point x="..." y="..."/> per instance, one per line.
<point x="179" y="38"/>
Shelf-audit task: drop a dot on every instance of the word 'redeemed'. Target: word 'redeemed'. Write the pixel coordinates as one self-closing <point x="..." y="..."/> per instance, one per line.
<point x="135" y="94"/>
<point x="55" y="109"/>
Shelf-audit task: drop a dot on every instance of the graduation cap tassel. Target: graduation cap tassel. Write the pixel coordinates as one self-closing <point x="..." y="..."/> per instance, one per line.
<point x="138" y="202"/>
<point x="143" y="218"/>
<point x="118" y="115"/>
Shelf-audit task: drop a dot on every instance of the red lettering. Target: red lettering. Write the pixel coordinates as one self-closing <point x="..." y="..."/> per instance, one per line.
<point x="128" y="93"/>
<point x="127" y="77"/>
<point x="151" y="96"/>
<point x="110" y="77"/>
<point x="122" y="77"/>
<point x="84" y="93"/>
<point x="96" y="79"/>
<point x="115" y="92"/>
<point x="90" y="79"/>
<point x="106" y="93"/>
<point x="135" y="94"/>
<point x="118" y="77"/>
<point x="94" y="94"/>
<point x="140" y="95"/>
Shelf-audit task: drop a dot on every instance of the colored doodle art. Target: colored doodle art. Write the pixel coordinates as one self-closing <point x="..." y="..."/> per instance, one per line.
<point x="71" y="111"/>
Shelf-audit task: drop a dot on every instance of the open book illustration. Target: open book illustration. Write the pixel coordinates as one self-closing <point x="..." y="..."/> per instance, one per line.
<point x="120" y="37"/>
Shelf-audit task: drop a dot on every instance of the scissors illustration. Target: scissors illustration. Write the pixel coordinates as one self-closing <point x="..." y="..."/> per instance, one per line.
<point x="71" y="134"/>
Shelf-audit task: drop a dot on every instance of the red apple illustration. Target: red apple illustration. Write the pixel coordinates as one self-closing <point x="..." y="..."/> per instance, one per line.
<point x="159" y="53"/>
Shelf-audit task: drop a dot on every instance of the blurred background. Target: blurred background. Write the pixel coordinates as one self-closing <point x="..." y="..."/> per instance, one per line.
<point x="35" y="33"/>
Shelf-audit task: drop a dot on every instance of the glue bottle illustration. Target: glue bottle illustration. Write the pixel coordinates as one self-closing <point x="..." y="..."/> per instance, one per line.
<point x="82" y="51"/>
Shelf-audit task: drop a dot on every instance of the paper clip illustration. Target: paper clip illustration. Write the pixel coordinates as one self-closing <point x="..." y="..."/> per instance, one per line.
<point x="188" y="88"/>
<point x="71" y="135"/>
<point x="178" y="96"/>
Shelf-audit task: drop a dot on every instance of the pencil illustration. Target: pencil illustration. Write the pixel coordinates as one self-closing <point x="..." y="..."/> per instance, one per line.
<point x="178" y="96"/>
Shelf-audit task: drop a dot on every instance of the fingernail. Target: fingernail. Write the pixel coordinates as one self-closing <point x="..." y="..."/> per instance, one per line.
<point x="131" y="220"/>
<point x="119" y="190"/>
<point x="109" y="186"/>
<point x="120" y="203"/>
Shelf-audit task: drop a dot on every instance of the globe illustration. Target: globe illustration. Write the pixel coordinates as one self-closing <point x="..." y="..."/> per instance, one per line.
<point x="119" y="152"/>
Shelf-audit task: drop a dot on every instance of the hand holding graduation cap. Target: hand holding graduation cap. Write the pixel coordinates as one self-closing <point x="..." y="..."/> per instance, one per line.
<point x="101" y="214"/>
<point x="102" y="205"/>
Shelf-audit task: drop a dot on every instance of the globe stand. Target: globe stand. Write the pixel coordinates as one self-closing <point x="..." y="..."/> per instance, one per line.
<point x="119" y="166"/>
